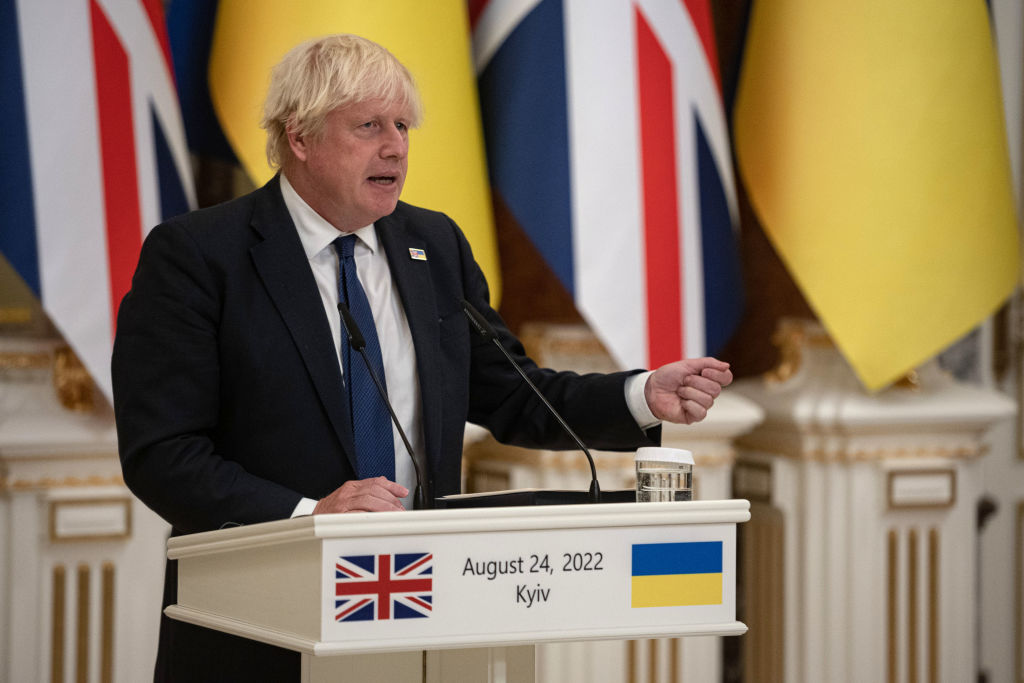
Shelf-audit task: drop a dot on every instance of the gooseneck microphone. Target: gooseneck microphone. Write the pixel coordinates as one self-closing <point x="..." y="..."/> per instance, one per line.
<point x="484" y="328"/>
<point x="358" y="342"/>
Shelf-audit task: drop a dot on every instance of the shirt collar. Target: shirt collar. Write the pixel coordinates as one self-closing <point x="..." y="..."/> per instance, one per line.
<point x="315" y="233"/>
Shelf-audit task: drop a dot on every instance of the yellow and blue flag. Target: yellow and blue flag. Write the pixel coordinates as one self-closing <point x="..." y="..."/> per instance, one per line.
<point x="447" y="167"/>
<point x="871" y="140"/>
<point x="224" y="51"/>
<point x="677" y="574"/>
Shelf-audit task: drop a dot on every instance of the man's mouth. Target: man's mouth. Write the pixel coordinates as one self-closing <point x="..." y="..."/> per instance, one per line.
<point x="383" y="179"/>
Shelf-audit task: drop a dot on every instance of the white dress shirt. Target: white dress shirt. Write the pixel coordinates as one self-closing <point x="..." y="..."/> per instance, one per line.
<point x="396" y="346"/>
<point x="397" y="352"/>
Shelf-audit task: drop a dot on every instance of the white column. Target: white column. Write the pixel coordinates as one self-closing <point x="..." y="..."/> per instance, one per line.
<point x="877" y="495"/>
<point x="81" y="560"/>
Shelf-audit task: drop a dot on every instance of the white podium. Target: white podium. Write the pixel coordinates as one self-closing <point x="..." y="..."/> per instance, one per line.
<point x="463" y="594"/>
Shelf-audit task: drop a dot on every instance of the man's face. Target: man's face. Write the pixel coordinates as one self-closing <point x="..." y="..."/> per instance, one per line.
<point x="354" y="172"/>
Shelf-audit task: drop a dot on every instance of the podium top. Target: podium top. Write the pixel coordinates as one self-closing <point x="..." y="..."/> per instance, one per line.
<point x="424" y="522"/>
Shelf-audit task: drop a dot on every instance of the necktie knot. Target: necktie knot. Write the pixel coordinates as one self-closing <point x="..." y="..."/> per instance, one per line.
<point x="346" y="245"/>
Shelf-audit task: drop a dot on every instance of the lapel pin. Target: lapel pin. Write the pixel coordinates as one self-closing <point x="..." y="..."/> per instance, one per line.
<point x="417" y="254"/>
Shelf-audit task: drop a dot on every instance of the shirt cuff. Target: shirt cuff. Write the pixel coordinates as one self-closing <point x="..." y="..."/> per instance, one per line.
<point x="305" y="507"/>
<point x="637" y="403"/>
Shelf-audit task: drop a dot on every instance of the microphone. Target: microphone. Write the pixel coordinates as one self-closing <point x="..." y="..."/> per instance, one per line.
<point x="358" y="342"/>
<point x="485" y="330"/>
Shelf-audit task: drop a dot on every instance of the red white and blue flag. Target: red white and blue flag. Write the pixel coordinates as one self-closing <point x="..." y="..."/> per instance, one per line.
<point x="607" y="141"/>
<point x="94" y="156"/>
<point x="387" y="586"/>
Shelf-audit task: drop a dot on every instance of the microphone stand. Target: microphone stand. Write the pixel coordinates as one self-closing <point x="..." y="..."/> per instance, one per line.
<point x="484" y="328"/>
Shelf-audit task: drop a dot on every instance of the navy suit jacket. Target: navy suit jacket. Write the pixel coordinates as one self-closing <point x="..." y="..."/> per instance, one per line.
<point x="228" y="395"/>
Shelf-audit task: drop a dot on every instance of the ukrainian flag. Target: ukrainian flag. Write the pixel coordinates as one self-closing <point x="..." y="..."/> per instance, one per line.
<point x="872" y="143"/>
<point x="677" y="574"/>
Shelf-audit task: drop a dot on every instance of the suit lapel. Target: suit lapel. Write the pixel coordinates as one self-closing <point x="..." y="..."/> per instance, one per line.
<point x="417" y="291"/>
<point x="282" y="265"/>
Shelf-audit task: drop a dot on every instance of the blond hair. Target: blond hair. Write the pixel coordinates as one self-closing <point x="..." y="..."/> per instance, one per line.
<point x="320" y="75"/>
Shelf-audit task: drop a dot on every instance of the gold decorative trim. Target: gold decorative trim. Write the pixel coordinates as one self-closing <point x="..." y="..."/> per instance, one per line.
<point x="791" y="337"/>
<point x="912" y="607"/>
<point x="892" y="613"/>
<point x="57" y="612"/>
<point x="55" y="506"/>
<point x="18" y="360"/>
<point x="890" y="483"/>
<point x="652" y="660"/>
<point x="789" y="341"/>
<point x="910" y="381"/>
<point x="74" y="385"/>
<point x="7" y="484"/>
<point x="15" y="315"/>
<point x="675" y="655"/>
<point x="107" y="636"/>
<point x="631" y="648"/>
<point x="72" y="382"/>
<point x="82" y="626"/>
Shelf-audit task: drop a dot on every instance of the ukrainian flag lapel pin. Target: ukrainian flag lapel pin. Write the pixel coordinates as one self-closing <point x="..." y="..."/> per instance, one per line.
<point x="417" y="254"/>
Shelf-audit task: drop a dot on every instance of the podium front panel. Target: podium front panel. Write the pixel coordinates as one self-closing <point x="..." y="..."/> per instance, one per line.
<point x="527" y="585"/>
<point x="467" y="578"/>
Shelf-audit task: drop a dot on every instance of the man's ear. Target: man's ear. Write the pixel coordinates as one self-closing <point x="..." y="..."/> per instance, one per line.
<point x="297" y="143"/>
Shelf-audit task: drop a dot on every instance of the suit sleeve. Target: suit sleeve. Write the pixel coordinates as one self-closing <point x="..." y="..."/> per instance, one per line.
<point x="166" y="378"/>
<point x="594" y="404"/>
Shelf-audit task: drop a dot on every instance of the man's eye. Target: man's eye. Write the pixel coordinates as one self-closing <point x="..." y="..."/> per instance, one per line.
<point x="400" y="125"/>
<point x="368" y="124"/>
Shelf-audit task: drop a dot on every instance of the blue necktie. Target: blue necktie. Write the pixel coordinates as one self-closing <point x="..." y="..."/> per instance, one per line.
<point x="371" y="421"/>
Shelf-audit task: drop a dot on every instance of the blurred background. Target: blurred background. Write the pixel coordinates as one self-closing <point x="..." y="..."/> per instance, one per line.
<point x="824" y="194"/>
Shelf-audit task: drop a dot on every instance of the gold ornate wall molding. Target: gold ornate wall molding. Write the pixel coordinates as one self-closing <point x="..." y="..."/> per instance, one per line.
<point x="23" y="360"/>
<point x="15" y="315"/>
<point x="791" y="338"/>
<point x="817" y="410"/>
<point x="74" y="387"/>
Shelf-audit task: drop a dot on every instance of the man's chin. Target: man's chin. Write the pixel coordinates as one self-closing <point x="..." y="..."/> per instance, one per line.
<point x="388" y="207"/>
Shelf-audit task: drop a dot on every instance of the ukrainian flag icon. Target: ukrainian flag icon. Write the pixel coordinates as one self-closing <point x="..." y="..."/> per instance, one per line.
<point x="677" y="574"/>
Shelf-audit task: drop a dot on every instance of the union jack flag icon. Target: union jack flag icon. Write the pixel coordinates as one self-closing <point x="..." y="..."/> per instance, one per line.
<point x="388" y="586"/>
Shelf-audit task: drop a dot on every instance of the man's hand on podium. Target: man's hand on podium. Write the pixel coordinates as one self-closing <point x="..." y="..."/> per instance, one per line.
<point x="363" y="495"/>
<point x="684" y="391"/>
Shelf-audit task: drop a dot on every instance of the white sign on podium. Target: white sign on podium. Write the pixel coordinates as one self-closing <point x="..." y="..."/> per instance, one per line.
<point x="470" y="578"/>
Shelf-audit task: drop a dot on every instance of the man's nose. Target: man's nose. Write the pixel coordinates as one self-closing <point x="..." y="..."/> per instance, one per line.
<point x="395" y="143"/>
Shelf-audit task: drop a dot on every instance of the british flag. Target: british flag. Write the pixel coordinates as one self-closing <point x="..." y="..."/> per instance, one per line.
<point x="94" y="156"/>
<point x="607" y="144"/>
<point x="387" y="586"/>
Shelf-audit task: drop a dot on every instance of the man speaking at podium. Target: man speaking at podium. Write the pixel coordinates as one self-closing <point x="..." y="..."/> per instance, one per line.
<point x="237" y="397"/>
